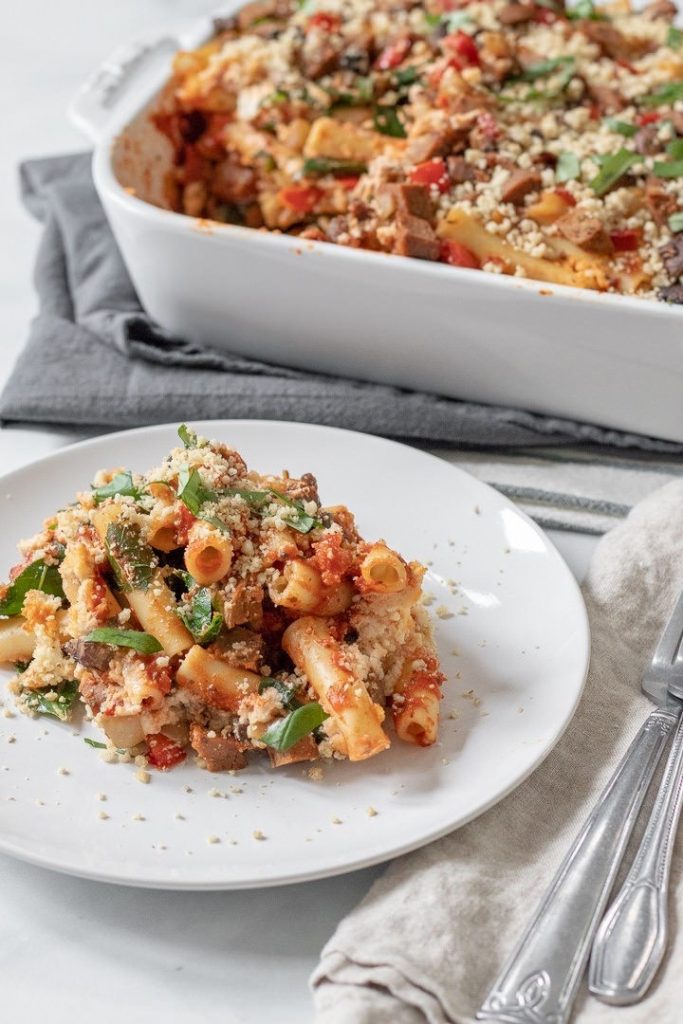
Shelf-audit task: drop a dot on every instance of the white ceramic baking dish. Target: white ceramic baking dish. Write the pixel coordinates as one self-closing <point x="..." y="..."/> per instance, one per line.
<point x="606" y="359"/>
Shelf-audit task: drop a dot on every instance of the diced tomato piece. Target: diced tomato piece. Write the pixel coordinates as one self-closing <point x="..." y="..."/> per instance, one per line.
<point x="301" y="198"/>
<point x="457" y="255"/>
<point x="349" y="182"/>
<point x="566" y="196"/>
<point x="463" y="48"/>
<point x="163" y="752"/>
<point x="431" y="172"/>
<point x="626" y="240"/>
<point x="325" y="20"/>
<point x="647" y="117"/>
<point x="594" y="112"/>
<point x="543" y="16"/>
<point x="393" y="54"/>
<point x="184" y="521"/>
<point x="193" y="165"/>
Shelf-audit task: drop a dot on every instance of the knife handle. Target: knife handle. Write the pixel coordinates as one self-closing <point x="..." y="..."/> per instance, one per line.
<point x="631" y="940"/>
<point x="540" y="980"/>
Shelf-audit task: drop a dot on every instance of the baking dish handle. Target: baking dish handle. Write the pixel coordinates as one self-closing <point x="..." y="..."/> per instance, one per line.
<point x="101" y="96"/>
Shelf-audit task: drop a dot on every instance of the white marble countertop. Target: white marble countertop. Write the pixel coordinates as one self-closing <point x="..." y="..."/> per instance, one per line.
<point x="127" y="954"/>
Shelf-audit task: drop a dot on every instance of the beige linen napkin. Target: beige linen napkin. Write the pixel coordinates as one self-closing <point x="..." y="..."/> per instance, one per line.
<point x="429" y="939"/>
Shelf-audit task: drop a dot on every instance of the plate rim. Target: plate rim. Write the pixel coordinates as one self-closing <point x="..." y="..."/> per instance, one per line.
<point x="295" y="877"/>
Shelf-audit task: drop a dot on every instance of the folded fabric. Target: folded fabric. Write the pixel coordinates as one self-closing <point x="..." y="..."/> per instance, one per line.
<point x="94" y="357"/>
<point x="431" y="936"/>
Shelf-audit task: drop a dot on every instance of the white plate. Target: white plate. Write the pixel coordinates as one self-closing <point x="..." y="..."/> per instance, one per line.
<point x="515" y="649"/>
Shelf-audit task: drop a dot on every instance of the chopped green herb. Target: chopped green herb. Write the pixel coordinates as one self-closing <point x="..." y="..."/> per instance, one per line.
<point x="432" y="20"/>
<point x="406" y="76"/>
<point x="675" y="149"/>
<point x="668" y="169"/>
<point x="21" y="666"/>
<point x="187" y="436"/>
<point x="674" y="37"/>
<point x="387" y="122"/>
<point x="564" y="66"/>
<point x="663" y="95"/>
<point x="622" y="127"/>
<point x="298" y="518"/>
<point x="266" y="159"/>
<point x="59" y="706"/>
<point x="134" y="562"/>
<point x="94" y="743"/>
<point x="192" y="492"/>
<point x="568" y="167"/>
<point x="676" y="222"/>
<point x="36" y="576"/>
<point x="328" y="165"/>
<point x="456" y="20"/>
<point x="286" y="692"/>
<point x="543" y="68"/>
<point x="612" y="169"/>
<point x="584" y="10"/>
<point x="287" y="731"/>
<point x="122" y="484"/>
<point x="143" y="643"/>
<point x="200" y="617"/>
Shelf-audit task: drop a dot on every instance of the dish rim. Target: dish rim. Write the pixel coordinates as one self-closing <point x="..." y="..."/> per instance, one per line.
<point x="408" y="846"/>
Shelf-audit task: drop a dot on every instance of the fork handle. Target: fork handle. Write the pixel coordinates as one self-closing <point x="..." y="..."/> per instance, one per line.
<point x="539" y="982"/>
<point x="631" y="940"/>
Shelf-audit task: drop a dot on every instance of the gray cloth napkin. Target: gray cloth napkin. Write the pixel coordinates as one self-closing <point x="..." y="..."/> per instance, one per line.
<point x="94" y="357"/>
<point x="427" y="942"/>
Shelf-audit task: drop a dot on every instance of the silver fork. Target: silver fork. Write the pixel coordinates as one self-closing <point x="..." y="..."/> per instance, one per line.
<point x="540" y="980"/>
<point x="631" y="941"/>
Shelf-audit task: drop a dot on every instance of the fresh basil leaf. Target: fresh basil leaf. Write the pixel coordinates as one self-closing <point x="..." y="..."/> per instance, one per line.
<point x="200" y="618"/>
<point x="287" y="731"/>
<point x="676" y="222"/>
<point x="612" y="169"/>
<point x="584" y="10"/>
<point x="568" y="167"/>
<point x="192" y="492"/>
<point x="668" y="169"/>
<point x="143" y="643"/>
<point x="134" y="563"/>
<point x="315" y="166"/>
<point x="187" y="436"/>
<point x="214" y="521"/>
<point x="406" y="76"/>
<point x="36" y="576"/>
<point x="94" y="743"/>
<point x="663" y="95"/>
<point x="298" y="519"/>
<point x="387" y="122"/>
<point x="675" y="149"/>
<point x="59" y="707"/>
<point x="286" y="692"/>
<point x="674" y="38"/>
<point x="622" y="127"/>
<point x="543" y="68"/>
<point x="122" y="484"/>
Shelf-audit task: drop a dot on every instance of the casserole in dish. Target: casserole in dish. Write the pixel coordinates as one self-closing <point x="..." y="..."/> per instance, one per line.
<point x="541" y="346"/>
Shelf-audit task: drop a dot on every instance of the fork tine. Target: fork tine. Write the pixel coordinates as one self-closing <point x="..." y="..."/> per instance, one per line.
<point x="670" y="640"/>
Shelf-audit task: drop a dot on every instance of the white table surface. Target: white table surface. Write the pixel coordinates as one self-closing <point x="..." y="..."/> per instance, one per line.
<point x="109" y="952"/>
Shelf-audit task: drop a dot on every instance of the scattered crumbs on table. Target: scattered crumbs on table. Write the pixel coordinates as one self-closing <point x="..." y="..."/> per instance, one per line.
<point x="101" y="797"/>
<point x="458" y="675"/>
<point x="159" y="846"/>
<point x="138" y="817"/>
<point x="524" y="651"/>
<point x="258" y="834"/>
<point x="217" y="793"/>
<point x="455" y="652"/>
<point x="141" y="761"/>
<point x="506" y="551"/>
<point x="11" y="799"/>
<point x="371" y="812"/>
<point x="178" y="816"/>
<point x="429" y="562"/>
<point x="427" y="599"/>
<point x="307" y="839"/>
<point x="477" y="510"/>
<point x="188" y="789"/>
<point x="442" y="612"/>
<point x="212" y="840"/>
<point x="471" y="695"/>
<point x="316" y="773"/>
<point x="236" y="789"/>
<point x="453" y="714"/>
<point x="445" y="761"/>
<point x="484" y="714"/>
<point x="520" y="710"/>
<point x="142" y="775"/>
<point x="483" y="643"/>
<point x="103" y="816"/>
<point x="63" y="771"/>
<point x="232" y="842"/>
<point x="8" y="713"/>
<point x="451" y="543"/>
<point x="463" y="610"/>
<point x="336" y="821"/>
<point x="108" y="756"/>
<point x="40" y="803"/>
<point x="11" y="738"/>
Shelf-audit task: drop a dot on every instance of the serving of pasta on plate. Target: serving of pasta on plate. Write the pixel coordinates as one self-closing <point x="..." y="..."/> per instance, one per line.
<point x="205" y="608"/>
